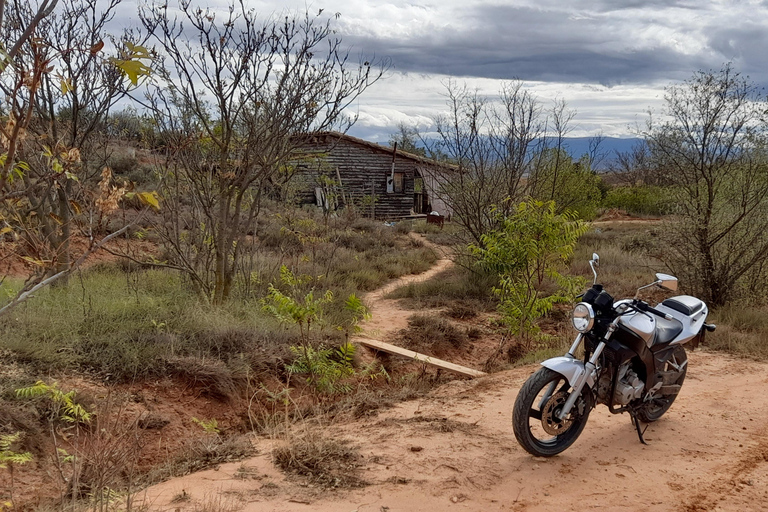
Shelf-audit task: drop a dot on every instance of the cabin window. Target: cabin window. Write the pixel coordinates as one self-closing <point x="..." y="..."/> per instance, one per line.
<point x="398" y="182"/>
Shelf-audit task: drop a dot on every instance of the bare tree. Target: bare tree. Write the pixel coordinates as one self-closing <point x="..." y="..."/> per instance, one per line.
<point x="71" y="102"/>
<point x="56" y="61"/>
<point x="713" y="152"/>
<point x="595" y="154"/>
<point x="518" y="133"/>
<point x="490" y="144"/>
<point x="545" y="180"/>
<point x="239" y="96"/>
<point x="471" y="184"/>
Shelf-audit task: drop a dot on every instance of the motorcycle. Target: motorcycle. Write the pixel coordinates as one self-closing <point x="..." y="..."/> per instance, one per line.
<point x="633" y="361"/>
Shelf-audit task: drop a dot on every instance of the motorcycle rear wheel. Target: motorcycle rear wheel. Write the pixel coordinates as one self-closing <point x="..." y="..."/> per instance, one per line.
<point x="534" y="420"/>
<point x="656" y="407"/>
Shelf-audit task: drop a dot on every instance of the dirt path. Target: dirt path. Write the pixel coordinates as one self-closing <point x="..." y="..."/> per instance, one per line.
<point x="455" y="450"/>
<point x="387" y="317"/>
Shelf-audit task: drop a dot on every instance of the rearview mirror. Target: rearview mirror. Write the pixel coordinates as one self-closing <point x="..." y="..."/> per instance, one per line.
<point x="667" y="282"/>
<point x="596" y="259"/>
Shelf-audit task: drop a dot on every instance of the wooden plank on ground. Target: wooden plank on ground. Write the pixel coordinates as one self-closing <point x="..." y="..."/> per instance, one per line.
<point x="410" y="354"/>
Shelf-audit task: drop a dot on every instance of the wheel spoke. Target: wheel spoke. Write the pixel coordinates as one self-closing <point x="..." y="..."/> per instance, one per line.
<point x="533" y="413"/>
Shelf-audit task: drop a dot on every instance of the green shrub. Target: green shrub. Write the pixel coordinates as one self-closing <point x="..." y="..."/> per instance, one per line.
<point x="528" y="253"/>
<point x="639" y="199"/>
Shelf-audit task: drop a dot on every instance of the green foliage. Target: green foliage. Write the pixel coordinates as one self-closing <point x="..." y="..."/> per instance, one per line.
<point x="325" y="368"/>
<point x="130" y="62"/>
<point x="571" y="184"/>
<point x="303" y="312"/>
<point x="7" y="455"/>
<point x="65" y="407"/>
<point x="640" y="199"/>
<point x="528" y="253"/>
<point x="209" y="426"/>
<point x="407" y="139"/>
<point x="356" y="312"/>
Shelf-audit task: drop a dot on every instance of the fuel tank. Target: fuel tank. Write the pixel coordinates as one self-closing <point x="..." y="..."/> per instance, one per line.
<point x="642" y="325"/>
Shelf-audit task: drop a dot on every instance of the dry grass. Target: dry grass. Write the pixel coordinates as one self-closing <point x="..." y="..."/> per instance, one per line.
<point x="741" y="330"/>
<point x="328" y="462"/>
<point x="217" y="502"/>
<point x="432" y="335"/>
<point x="454" y="287"/>
<point x="202" y="453"/>
<point x="433" y="424"/>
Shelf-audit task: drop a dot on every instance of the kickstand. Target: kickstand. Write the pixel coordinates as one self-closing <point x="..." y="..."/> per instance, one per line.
<point x="637" y="427"/>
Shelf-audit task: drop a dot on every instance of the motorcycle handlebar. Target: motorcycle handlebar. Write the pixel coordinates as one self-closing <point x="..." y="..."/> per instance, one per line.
<point x="642" y="306"/>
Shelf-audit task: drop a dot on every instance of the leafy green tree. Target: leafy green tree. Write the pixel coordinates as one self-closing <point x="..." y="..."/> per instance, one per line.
<point x="572" y="185"/>
<point x="529" y="252"/>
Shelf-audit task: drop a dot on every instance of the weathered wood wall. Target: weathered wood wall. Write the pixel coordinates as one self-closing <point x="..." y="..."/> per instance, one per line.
<point x="363" y="170"/>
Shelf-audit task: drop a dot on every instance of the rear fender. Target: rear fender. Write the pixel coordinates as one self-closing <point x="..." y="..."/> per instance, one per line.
<point x="571" y="368"/>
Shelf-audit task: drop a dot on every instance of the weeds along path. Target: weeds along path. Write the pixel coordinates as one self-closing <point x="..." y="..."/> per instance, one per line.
<point x="455" y="450"/>
<point x="387" y="317"/>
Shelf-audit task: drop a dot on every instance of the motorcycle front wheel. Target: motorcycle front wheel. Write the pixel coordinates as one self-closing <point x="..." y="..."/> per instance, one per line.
<point x="534" y="419"/>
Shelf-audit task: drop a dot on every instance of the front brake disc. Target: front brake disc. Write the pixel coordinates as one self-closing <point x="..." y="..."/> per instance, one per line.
<point x="549" y="420"/>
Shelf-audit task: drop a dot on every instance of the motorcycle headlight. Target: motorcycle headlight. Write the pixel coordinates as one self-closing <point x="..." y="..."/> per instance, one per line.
<point x="583" y="317"/>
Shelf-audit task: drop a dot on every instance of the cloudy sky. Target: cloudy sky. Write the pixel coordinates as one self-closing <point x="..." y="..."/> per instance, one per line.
<point x="609" y="59"/>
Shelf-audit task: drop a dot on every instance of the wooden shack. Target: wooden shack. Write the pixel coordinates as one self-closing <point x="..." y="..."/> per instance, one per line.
<point x="334" y="170"/>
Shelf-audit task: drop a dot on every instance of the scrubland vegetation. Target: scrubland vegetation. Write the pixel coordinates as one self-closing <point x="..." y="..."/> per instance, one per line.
<point x="220" y="288"/>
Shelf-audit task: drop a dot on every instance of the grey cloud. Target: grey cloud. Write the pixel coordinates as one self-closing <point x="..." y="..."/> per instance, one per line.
<point x="613" y="5"/>
<point x="539" y="44"/>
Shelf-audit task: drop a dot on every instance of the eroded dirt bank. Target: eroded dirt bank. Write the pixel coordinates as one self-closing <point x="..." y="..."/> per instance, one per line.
<point x="455" y="450"/>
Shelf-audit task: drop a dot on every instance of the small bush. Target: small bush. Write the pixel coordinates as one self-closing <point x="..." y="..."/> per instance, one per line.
<point x="421" y="226"/>
<point x="473" y="290"/>
<point x="432" y="335"/>
<point x="203" y="453"/>
<point x="327" y="462"/>
<point x="123" y="164"/>
<point x="639" y="200"/>
<point x="461" y="311"/>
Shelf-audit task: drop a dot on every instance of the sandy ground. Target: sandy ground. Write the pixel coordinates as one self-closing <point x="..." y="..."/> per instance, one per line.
<point x="455" y="450"/>
<point x="386" y="315"/>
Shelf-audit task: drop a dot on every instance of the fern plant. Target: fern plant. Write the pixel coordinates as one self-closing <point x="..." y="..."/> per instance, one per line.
<point x="209" y="426"/>
<point x="65" y="407"/>
<point x="64" y="410"/>
<point x="356" y="312"/>
<point x="325" y="368"/>
<point x="10" y="458"/>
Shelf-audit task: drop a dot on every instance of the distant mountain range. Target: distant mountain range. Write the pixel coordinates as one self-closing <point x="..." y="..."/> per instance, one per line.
<point x="576" y="146"/>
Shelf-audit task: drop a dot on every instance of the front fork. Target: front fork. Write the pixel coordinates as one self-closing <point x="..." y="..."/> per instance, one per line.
<point x="590" y="368"/>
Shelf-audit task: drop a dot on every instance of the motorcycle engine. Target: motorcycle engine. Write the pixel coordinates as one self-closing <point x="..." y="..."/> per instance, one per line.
<point x="628" y="387"/>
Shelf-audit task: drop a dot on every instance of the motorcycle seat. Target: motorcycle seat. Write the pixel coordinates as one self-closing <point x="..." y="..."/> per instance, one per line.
<point x="684" y="304"/>
<point x="667" y="330"/>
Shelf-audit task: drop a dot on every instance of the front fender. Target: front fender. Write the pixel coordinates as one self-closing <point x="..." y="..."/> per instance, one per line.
<point x="569" y="367"/>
